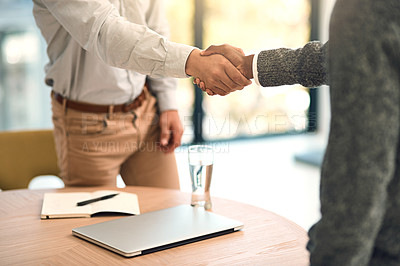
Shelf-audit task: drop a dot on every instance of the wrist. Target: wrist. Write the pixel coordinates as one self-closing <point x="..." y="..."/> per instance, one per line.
<point x="248" y="66"/>
<point x="190" y="67"/>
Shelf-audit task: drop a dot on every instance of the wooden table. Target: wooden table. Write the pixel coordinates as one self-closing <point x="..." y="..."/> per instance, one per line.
<point x="267" y="238"/>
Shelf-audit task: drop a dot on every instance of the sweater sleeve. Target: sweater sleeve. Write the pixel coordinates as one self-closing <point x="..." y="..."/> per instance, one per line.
<point x="306" y="66"/>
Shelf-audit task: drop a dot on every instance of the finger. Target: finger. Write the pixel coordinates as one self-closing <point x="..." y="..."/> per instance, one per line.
<point x="222" y="89"/>
<point x="232" y="53"/>
<point x="227" y="47"/>
<point x="217" y="89"/>
<point x="175" y="141"/>
<point x="176" y="137"/>
<point x="165" y="133"/>
<point x="236" y="77"/>
<point x="215" y="85"/>
<point x="165" y="138"/>
<point x="202" y="86"/>
<point x="222" y="84"/>
<point x="168" y="148"/>
<point x="196" y="81"/>
<point x="210" y="92"/>
<point x="213" y="49"/>
<point x="229" y="86"/>
<point x="225" y="82"/>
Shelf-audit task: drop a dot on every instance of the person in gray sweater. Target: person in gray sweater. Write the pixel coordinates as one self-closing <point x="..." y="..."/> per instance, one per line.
<point x="360" y="176"/>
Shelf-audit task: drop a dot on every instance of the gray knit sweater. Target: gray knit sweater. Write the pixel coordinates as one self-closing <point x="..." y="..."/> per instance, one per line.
<point x="360" y="177"/>
<point x="305" y="66"/>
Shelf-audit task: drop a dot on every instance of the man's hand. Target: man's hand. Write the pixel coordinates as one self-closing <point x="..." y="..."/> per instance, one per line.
<point x="218" y="74"/>
<point x="235" y="55"/>
<point x="171" y="131"/>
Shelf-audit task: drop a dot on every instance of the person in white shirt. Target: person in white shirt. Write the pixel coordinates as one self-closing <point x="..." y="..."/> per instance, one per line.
<point x="112" y="69"/>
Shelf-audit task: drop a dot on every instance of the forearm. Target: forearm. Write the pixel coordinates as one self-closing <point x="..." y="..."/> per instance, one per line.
<point x="164" y="88"/>
<point x="98" y="27"/>
<point x="135" y="47"/>
<point x="306" y="66"/>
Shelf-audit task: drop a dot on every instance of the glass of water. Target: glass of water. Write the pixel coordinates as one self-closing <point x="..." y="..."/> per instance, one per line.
<point x="201" y="159"/>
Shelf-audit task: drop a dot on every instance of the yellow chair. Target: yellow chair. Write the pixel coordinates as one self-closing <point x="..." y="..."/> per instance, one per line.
<point x="25" y="155"/>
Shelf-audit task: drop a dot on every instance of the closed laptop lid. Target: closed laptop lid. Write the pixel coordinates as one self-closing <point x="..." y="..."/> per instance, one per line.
<point x="158" y="230"/>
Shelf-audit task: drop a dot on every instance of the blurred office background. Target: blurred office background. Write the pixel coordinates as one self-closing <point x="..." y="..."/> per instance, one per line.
<point x="261" y="135"/>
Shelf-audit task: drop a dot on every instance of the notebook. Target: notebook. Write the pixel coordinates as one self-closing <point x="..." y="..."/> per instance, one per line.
<point x="64" y="205"/>
<point x="158" y="230"/>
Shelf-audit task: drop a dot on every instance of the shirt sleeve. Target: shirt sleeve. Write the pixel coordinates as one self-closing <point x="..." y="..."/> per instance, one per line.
<point x="98" y="28"/>
<point x="255" y="71"/>
<point x="163" y="88"/>
<point x="306" y="66"/>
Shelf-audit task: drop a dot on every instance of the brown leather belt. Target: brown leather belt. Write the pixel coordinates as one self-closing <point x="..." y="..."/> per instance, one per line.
<point x="96" y="108"/>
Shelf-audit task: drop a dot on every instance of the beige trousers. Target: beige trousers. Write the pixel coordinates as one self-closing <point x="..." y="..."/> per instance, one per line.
<point x="93" y="148"/>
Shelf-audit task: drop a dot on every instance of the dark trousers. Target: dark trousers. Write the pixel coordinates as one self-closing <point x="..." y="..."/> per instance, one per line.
<point x="360" y="177"/>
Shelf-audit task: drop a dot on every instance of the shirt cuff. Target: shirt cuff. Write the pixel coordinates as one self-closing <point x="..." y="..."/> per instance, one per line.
<point x="167" y="100"/>
<point x="255" y="70"/>
<point x="176" y="59"/>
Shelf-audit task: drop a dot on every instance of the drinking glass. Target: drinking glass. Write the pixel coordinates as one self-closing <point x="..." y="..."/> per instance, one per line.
<point x="201" y="159"/>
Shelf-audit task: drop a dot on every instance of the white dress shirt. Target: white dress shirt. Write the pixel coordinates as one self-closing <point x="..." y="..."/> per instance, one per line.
<point x="100" y="51"/>
<point x="255" y="71"/>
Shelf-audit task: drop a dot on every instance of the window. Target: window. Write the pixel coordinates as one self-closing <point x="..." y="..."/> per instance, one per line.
<point x="24" y="98"/>
<point x="252" y="25"/>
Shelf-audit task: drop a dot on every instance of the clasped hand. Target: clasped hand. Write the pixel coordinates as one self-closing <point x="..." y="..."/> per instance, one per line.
<point x="220" y="70"/>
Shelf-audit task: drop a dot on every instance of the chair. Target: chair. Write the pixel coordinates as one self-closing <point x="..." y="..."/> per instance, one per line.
<point x="25" y="155"/>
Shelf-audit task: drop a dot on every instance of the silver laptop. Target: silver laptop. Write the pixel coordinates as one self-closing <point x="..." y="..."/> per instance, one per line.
<point x="158" y="230"/>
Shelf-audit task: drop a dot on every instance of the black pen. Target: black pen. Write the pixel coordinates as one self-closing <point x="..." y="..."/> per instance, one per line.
<point x="82" y="203"/>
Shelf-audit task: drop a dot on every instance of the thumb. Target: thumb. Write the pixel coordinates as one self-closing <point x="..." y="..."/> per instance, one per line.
<point x="211" y="50"/>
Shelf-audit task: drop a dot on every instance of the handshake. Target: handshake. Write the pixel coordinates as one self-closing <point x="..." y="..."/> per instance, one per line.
<point x="220" y="70"/>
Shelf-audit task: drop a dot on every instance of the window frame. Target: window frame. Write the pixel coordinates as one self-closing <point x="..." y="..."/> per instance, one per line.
<point x="198" y="112"/>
